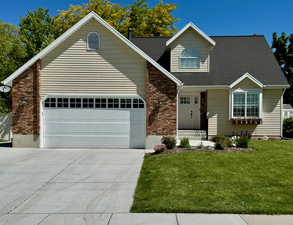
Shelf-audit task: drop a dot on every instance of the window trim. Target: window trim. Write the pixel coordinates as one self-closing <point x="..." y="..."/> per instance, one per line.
<point x="231" y="108"/>
<point x="87" y="41"/>
<point x="189" y="57"/>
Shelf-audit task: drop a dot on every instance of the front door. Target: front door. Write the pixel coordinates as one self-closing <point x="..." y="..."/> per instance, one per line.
<point x="189" y="112"/>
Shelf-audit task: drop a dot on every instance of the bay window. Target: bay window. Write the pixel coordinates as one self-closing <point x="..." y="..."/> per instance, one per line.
<point x="246" y="104"/>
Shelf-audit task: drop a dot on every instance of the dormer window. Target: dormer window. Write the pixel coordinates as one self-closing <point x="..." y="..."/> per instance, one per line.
<point x="190" y="59"/>
<point x="93" y="41"/>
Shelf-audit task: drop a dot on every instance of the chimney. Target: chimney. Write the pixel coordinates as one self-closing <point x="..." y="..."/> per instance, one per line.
<point x="129" y="35"/>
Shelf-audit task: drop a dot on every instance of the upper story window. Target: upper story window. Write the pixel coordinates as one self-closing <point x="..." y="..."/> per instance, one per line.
<point x="190" y="59"/>
<point x="246" y="104"/>
<point x="93" y="41"/>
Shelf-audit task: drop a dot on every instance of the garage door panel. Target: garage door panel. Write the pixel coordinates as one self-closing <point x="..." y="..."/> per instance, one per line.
<point x="88" y="115"/>
<point x="87" y="128"/>
<point x="94" y="127"/>
<point x="89" y="141"/>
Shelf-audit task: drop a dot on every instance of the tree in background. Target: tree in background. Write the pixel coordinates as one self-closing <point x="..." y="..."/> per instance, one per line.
<point x="283" y="50"/>
<point x="37" y="31"/>
<point x="139" y="17"/>
<point x="12" y="55"/>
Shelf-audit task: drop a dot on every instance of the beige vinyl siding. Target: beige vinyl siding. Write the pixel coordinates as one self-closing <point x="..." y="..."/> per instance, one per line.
<point x="219" y="123"/>
<point x="190" y="39"/>
<point x="246" y="83"/>
<point x="112" y="69"/>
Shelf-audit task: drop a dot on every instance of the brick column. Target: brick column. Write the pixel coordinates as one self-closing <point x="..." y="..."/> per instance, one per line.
<point x="25" y="103"/>
<point x="160" y="95"/>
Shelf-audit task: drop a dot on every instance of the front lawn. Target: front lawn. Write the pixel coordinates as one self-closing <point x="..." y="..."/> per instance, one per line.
<point x="254" y="182"/>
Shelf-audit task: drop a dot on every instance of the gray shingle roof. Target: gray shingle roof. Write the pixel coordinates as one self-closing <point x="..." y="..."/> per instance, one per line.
<point x="232" y="57"/>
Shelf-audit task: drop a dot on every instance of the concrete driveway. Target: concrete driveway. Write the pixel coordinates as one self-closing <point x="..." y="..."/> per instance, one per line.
<point x="38" y="186"/>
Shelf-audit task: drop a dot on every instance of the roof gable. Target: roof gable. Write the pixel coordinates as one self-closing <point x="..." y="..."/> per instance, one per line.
<point x="196" y="29"/>
<point x="69" y="32"/>
<point x="246" y="76"/>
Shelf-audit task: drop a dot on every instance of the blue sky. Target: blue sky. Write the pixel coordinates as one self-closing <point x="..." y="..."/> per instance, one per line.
<point x="216" y="17"/>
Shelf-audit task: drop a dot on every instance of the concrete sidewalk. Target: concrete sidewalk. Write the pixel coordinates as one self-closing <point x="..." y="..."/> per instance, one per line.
<point x="143" y="219"/>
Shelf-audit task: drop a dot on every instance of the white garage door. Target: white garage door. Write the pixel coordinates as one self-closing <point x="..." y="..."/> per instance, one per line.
<point x="101" y="122"/>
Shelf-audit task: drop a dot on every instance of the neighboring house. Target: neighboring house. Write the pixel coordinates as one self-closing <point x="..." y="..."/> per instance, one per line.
<point x="93" y="87"/>
<point x="287" y="111"/>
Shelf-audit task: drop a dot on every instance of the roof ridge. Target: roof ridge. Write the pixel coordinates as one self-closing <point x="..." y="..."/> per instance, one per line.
<point x="252" y="35"/>
<point x="153" y="37"/>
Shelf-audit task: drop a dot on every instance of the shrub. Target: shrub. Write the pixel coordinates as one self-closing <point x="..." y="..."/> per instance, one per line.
<point x="184" y="143"/>
<point x="242" y="142"/>
<point x="159" y="148"/>
<point x="170" y="142"/>
<point x="288" y="127"/>
<point x="222" y="142"/>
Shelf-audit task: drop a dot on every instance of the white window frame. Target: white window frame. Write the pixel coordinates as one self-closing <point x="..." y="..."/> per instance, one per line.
<point x="99" y="41"/>
<point x="231" y="111"/>
<point x="190" y="57"/>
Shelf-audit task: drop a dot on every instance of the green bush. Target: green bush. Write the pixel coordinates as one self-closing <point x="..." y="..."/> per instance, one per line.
<point x="184" y="143"/>
<point x="170" y="142"/>
<point x="242" y="142"/>
<point x="222" y="142"/>
<point x="288" y="128"/>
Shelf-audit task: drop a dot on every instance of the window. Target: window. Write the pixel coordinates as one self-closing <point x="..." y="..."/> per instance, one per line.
<point x="110" y="103"/>
<point x="50" y="103"/>
<point x="75" y="102"/>
<point x="189" y="59"/>
<point x="88" y="103"/>
<point x="185" y="100"/>
<point x="246" y="103"/>
<point x="94" y="103"/>
<point x="141" y="104"/>
<point x="93" y="41"/>
<point x="62" y="102"/>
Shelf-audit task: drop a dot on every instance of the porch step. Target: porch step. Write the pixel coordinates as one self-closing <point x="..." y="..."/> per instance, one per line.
<point x="192" y="134"/>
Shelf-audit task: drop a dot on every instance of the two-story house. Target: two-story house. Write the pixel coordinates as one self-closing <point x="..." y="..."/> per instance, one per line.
<point x="93" y="87"/>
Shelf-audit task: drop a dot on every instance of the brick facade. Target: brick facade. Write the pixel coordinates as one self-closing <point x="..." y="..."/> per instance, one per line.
<point x="25" y="102"/>
<point x="160" y="96"/>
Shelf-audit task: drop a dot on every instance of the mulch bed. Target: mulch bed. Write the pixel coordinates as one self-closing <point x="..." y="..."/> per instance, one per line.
<point x="205" y="149"/>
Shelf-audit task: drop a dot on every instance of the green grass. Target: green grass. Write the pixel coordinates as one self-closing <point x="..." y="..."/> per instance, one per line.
<point x="2" y="140"/>
<point x="220" y="182"/>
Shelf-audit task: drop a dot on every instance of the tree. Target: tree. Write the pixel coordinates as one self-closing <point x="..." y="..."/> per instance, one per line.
<point x="289" y="60"/>
<point x="283" y="52"/>
<point x="139" y="17"/>
<point x="37" y="30"/>
<point x="12" y="53"/>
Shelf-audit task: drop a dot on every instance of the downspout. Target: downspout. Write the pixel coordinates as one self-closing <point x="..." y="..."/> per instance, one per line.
<point x="282" y="119"/>
<point x="177" y="110"/>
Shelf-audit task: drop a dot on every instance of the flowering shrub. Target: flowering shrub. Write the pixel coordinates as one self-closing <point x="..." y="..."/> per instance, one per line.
<point x="159" y="148"/>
